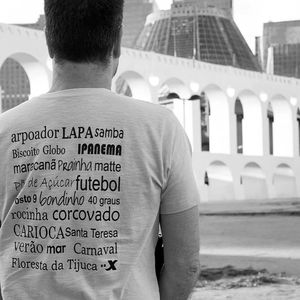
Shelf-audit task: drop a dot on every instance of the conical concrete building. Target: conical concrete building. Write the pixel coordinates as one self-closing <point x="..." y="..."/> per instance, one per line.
<point x="198" y="29"/>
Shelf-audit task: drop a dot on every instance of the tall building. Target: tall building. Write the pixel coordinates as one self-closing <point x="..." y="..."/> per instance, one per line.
<point x="279" y="48"/>
<point x="135" y="14"/>
<point x="202" y="30"/>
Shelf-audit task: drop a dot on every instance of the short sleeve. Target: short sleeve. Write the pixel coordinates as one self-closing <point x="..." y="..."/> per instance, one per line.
<point x="180" y="191"/>
<point x="2" y="178"/>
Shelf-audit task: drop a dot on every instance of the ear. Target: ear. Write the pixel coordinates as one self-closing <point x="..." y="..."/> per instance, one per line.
<point x="117" y="45"/>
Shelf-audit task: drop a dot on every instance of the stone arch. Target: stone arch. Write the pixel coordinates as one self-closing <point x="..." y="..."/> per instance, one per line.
<point x="33" y="78"/>
<point x="14" y="83"/>
<point x="37" y="73"/>
<point x="219" y="181"/>
<point x="175" y="90"/>
<point x="284" y="182"/>
<point x="252" y="123"/>
<point x="134" y="85"/>
<point x="219" y="119"/>
<point x="174" y="85"/>
<point x="254" y="182"/>
<point x="282" y="126"/>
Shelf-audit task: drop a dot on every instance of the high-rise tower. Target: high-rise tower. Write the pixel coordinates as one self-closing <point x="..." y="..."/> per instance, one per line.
<point x="280" y="46"/>
<point x="135" y="14"/>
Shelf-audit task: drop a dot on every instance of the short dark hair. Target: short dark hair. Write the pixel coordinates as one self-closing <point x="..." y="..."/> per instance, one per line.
<point x="83" y="30"/>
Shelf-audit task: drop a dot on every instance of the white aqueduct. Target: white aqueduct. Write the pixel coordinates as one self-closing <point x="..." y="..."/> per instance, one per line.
<point x="222" y="173"/>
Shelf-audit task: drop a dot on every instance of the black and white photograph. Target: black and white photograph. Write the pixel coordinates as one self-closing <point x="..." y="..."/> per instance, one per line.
<point x="149" y="150"/>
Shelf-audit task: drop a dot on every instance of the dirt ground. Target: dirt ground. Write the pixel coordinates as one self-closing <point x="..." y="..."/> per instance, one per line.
<point x="250" y="252"/>
<point x="232" y="283"/>
<point x="270" y="292"/>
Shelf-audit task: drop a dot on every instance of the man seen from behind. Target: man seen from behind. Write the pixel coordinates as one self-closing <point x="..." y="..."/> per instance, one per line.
<point x="87" y="174"/>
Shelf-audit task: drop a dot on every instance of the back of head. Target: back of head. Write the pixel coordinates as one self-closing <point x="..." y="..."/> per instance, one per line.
<point x="83" y="31"/>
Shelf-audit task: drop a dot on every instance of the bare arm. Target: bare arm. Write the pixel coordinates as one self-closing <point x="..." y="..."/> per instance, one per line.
<point x="181" y="254"/>
<point x="0" y="286"/>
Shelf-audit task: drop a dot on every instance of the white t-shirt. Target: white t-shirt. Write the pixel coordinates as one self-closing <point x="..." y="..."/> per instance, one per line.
<point x="84" y="176"/>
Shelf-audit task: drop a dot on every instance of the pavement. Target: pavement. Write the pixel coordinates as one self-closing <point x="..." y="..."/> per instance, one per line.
<point x="252" y="207"/>
<point x="272" y="292"/>
<point x="258" y="234"/>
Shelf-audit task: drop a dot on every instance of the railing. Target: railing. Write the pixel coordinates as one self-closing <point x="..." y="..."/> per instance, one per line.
<point x="21" y="31"/>
<point x="199" y="65"/>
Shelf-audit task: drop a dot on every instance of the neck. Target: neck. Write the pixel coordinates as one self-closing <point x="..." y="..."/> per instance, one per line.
<point x="81" y="75"/>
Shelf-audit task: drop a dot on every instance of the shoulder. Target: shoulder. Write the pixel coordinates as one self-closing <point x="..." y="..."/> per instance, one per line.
<point x="17" y="115"/>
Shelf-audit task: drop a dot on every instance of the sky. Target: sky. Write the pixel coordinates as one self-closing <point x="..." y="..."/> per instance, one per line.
<point x="248" y="14"/>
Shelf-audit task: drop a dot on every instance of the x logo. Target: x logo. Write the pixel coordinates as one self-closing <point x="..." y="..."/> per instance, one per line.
<point x="111" y="265"/>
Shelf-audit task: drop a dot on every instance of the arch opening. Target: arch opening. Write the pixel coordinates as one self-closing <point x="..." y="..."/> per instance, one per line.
<point x="254" y="182"/>
<point x="22" y="77"/>
<point x="298" y="128"/>
<point x="14" y="83"/>
<point x="282" y="127"/>
<point x="219" y="120"/>
<point x="219" y="181"/>
<point x="239" y="114"/>
<point x="36" y="72"/>
<point x="174" y="94"/>
<point x="270" y="116"/>
<point x="250" y="124"/>
<point x="173" y="85"/>
<point x="284" y="182"/>
<point x="134" y="85"/>
<point x="205" y="114"/>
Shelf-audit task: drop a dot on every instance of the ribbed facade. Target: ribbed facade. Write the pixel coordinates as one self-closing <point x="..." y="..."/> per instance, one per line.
<point x="287" y="60"/>
<point x="224" y="5"/>
<point x="135" y="14"/>
<point x="193" y="31"/>
<point x="283" y="39"/>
